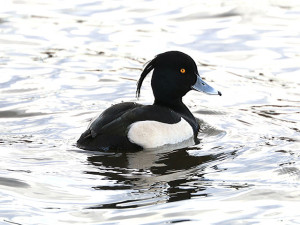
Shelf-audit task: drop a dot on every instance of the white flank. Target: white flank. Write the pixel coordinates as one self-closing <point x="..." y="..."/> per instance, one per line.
<point x="153" y="134"/>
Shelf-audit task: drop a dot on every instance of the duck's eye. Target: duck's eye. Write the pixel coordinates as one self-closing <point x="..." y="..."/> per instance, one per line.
<point x="182" y="70"/>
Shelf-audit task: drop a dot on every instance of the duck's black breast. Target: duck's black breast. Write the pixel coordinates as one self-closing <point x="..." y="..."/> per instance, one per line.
<point x="113" y="128"/>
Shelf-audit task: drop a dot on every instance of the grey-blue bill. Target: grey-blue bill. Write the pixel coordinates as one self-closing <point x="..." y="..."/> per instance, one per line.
<point x="202" y="86"/>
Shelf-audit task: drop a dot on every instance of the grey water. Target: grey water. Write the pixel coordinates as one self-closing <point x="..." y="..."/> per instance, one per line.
<point x="63" y="62"/>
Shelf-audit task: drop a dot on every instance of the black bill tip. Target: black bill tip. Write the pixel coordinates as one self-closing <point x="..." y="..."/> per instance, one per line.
<point x="219" y="93"/>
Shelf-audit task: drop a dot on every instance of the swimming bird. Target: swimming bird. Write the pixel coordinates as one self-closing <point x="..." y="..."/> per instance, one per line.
<point x="132" y="126"/>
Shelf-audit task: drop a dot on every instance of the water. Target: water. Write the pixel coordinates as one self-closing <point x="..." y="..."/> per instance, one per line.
<point x="62" y="64"/>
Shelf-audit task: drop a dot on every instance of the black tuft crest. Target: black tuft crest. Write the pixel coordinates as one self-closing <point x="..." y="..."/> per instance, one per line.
<point x="150" y="66"/>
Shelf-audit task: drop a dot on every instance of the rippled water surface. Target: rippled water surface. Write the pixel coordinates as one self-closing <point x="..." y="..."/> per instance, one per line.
<point x="63" y="62"/>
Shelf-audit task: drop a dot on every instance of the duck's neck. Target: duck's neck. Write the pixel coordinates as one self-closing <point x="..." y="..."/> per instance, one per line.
<point x="178" y="106"/>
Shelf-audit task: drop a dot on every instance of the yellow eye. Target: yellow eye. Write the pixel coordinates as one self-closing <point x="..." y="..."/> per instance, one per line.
<point x="182" y="70"/>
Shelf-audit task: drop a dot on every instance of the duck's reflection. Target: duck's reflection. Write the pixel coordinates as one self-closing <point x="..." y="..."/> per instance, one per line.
<point x="171" y="176"/>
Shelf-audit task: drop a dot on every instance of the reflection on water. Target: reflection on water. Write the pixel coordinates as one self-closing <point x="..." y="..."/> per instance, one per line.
<point x="62" y="64"/>
<point x="163" y="176"/>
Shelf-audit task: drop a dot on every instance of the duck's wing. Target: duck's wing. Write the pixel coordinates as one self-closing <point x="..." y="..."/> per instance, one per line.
<point x="107" y="116"/>
<point x="111" y="114"/>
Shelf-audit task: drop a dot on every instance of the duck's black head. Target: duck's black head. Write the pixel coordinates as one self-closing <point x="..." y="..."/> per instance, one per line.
<point x="174" y="74"/>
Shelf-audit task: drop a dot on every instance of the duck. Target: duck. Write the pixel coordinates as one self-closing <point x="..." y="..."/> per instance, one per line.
<point x="130" y="126"/>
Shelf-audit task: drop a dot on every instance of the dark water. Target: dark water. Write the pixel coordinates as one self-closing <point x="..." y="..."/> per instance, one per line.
<point x="62" y="63"/>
